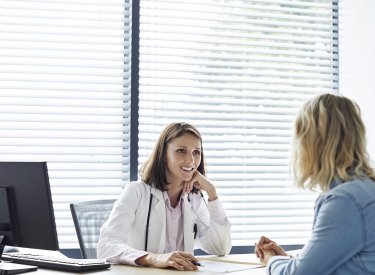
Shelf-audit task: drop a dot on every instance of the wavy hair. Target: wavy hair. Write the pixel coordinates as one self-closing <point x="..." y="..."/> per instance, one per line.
<point x="329" y="143"/>
<point x="152" y="171"/>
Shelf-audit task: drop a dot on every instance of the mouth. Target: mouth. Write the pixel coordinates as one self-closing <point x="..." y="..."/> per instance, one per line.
<point x="187" y="169"/>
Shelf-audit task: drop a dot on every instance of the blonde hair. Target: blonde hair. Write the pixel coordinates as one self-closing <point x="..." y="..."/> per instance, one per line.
<point x="329" y="143"/>
<point x="152" y="171"/>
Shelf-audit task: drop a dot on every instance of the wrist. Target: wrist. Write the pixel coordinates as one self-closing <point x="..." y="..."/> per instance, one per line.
<point x="212" y="195"/>
<point x="268" y="256"/>
<point x="145" y="260"/>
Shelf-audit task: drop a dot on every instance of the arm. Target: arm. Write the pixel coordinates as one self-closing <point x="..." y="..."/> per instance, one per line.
<point x="337" y="236"/>
<point x="213" y="227"/>
<point x="216" y="239"/>
<point x="114" y="239"/>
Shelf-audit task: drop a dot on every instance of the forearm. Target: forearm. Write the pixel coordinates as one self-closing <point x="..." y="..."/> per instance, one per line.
<point x="216" y="239"/>
<point x="212" y="195"/>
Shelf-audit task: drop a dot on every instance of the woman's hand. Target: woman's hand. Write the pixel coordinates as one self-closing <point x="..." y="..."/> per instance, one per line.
<point x="179" y="260"/>
<point x="265" y="249"/>
<point x="202" y="183"/>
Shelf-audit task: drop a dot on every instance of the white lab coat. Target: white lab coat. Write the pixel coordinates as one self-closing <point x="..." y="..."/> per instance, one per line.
<point x="125" y="228"/>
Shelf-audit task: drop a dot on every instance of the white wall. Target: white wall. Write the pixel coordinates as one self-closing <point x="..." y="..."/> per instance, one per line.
<point x="357" y="59"/>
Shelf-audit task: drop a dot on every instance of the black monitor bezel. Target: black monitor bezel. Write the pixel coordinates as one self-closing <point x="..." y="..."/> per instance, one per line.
<point x="8" y="227"/>
<point x="30" y="189"/>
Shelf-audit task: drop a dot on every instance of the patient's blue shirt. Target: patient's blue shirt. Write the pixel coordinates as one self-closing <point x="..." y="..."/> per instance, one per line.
<point x="343" y="236"/>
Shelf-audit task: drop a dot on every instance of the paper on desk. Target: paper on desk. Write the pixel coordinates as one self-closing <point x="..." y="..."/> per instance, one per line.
<point x="222" y="267"/>
<point x="247" y="259"/>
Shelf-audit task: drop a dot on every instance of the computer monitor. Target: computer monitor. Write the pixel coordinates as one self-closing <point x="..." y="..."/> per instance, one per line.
<point x="26" y="211"/>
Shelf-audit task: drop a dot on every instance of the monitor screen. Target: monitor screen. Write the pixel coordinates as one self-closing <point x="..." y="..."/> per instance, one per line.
<point x="26" y="211"/>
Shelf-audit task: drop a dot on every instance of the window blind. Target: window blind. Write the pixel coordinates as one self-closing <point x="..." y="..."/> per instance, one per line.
<point x="239" y="71"/>
<point x="64" y="96"/>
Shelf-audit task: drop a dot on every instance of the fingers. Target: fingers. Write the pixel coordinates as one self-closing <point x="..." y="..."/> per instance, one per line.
<point x="258" y="251"/>
<point x="186" y="187"/>
<point x="259" y="246"/>
<point x="275" y="248"/>
<point x="265" y="244"/>
<point x="189" y="256"/>
<point x="178" y="260"/>
<point x="265" y="249"/>
<point x="186" y="264"/>
<point x="194" y="181"/>
<point x="270" y="246"/>
<point x="180" y="264"/>
<point x="175" y="265"/>
<point x="264" y="240"/>
<point x="182" y="261"/>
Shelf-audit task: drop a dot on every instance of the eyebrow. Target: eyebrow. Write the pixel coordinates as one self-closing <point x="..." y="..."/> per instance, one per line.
<point x="183" y="146"/>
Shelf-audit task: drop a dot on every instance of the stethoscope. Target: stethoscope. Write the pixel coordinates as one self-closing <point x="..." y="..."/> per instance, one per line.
<point x="195" y="228"/>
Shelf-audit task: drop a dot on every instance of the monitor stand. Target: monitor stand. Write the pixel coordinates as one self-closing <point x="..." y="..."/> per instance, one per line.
<point x="11" y="268"/>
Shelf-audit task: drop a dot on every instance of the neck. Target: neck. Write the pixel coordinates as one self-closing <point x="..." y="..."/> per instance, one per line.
<point x="174" y="193"/>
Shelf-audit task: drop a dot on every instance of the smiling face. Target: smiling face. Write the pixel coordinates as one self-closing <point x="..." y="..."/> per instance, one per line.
<point x="183" y="157"/>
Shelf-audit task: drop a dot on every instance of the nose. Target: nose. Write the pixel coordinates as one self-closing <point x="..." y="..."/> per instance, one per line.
<point x="189" y="158"/>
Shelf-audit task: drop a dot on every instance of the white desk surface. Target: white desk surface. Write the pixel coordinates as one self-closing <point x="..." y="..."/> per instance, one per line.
<point x="131" y="270"/>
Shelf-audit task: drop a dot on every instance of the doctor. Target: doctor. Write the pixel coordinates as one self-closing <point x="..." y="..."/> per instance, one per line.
<point x="158" y="219"/>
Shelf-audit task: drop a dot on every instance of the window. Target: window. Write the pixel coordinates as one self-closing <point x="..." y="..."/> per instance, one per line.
<point x="64" y="96"/>
<point x="239" y="71"/>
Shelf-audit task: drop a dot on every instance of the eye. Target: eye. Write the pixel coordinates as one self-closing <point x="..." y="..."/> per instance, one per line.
<point x="197" y="152"/>
<point x="180" y="150"/>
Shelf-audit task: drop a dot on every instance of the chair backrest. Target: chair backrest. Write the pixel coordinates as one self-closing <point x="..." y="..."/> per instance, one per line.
<point x="88" y="217"/>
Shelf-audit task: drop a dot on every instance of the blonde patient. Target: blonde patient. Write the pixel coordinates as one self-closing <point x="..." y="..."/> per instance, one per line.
<point x="330" y="157"/>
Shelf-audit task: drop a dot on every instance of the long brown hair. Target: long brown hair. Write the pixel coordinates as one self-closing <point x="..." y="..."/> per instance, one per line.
<point x="329" y="143"/>
<point x="152" y="171"/>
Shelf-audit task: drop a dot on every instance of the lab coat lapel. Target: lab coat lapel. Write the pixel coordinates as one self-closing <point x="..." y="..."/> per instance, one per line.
<point x="157" y="229"/>
<point x="159" y="204"/>
<point x="188" y="225"/>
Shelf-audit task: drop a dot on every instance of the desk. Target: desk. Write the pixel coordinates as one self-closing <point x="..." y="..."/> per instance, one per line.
<point x="132" y="270"/>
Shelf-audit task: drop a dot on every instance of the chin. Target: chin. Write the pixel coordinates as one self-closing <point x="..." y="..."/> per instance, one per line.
<point x="187" y="178"/>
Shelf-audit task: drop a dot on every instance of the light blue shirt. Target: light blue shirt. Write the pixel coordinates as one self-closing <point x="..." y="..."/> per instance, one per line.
<point x="343" y="236"/>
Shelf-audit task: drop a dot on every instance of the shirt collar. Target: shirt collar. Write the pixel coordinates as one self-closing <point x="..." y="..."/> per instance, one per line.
<point x="168" y="202"/>
<point x="335" y="183"/>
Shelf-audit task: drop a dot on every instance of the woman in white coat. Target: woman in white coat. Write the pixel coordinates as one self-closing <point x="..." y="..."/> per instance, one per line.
<point x="161" y="218"/>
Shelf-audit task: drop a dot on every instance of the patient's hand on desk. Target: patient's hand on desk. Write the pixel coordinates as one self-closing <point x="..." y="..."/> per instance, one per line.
<point x="179" y="260"/>
<point x="265" y="249"/>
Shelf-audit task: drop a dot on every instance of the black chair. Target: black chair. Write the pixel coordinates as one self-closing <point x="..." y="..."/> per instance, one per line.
<point x="88" y="217"/>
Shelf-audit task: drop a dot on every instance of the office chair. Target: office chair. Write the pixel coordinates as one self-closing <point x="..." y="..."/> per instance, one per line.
<point x="88" y="217"/>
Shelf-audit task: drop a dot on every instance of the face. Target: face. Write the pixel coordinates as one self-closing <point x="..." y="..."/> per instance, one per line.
<point x="183" y="157"/>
